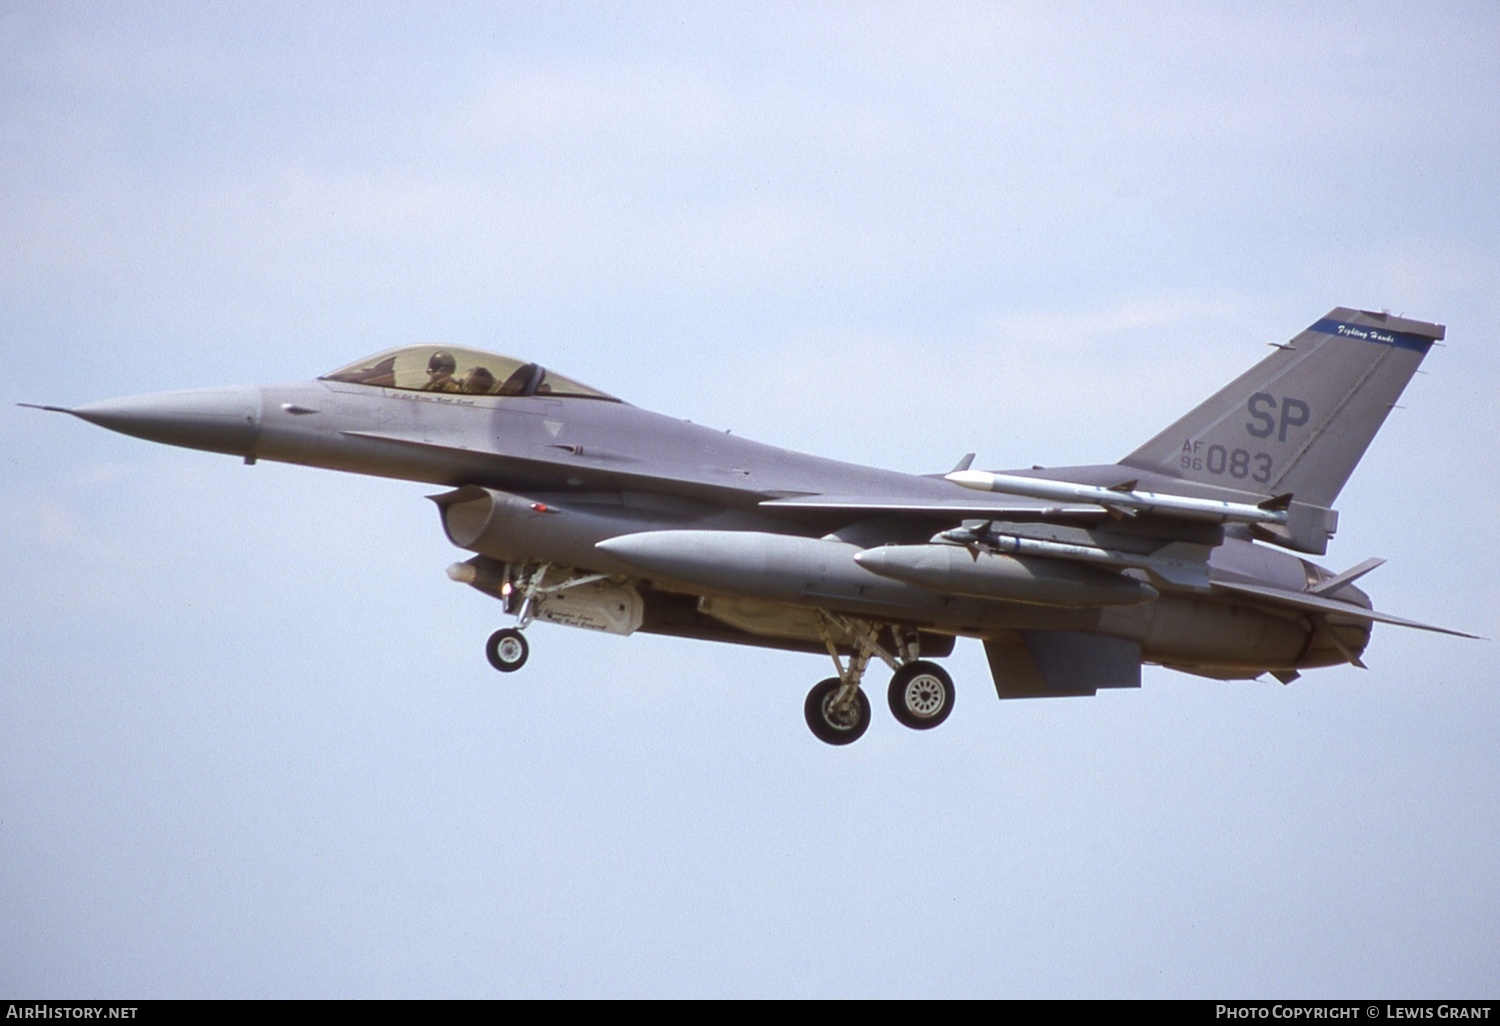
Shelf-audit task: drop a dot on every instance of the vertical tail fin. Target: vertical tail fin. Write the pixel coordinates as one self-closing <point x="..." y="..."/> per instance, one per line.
<point x="1297" y="422"/>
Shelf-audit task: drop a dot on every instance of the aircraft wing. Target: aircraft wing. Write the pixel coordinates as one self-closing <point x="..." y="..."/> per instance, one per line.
<point x="1310" y="603"/>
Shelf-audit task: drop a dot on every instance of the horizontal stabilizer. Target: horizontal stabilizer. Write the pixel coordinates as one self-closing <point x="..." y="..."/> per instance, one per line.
<point x="1311" y="603"/>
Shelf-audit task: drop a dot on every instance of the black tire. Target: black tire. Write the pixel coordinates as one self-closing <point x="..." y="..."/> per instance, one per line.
<point x="507" y="650"/>
<point x="836" y="727"/>
<point x="921" y="695"/>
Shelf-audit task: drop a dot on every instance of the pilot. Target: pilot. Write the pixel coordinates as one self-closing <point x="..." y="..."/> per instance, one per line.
<point x="478" y="381"/>
<point x="440" y="370"/>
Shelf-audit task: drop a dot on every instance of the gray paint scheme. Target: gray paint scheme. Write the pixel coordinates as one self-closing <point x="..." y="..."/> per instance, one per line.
<point x="722" y="537"/>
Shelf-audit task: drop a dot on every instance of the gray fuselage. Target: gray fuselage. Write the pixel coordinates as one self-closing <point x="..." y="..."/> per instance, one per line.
<point x="605" y="469"/>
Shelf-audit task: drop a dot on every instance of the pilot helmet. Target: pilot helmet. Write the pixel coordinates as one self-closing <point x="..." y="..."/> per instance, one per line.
<point x="479" y="381"/>
<point x="442" y="362"/>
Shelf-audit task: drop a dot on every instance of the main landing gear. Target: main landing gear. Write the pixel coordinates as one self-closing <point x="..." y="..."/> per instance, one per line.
<point x="921" y="695"/>
<point x="838" y="712"/>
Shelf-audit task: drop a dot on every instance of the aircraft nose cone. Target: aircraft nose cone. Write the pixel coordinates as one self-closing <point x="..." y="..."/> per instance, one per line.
<point x="217" y="419"/>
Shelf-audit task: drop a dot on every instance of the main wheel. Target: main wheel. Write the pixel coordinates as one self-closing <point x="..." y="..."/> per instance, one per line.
<point x="832" y="724"/>
<point x="507" y="650"/>
<point x="921" y="695"/>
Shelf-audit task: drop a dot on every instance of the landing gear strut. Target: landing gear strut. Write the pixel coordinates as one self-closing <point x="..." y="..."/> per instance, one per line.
<point x="507" y="649"/>
<point x="838" y="712"/>
<point x="525" y="591"/>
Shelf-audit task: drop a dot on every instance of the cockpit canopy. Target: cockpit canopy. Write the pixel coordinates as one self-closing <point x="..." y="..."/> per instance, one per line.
<point x="460" y="371"/>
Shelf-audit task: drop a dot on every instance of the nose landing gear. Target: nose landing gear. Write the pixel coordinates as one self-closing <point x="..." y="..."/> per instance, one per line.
<point x="507" y="650"/>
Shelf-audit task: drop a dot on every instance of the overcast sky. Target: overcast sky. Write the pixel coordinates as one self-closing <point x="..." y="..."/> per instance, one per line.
<point x="249" y="743"/>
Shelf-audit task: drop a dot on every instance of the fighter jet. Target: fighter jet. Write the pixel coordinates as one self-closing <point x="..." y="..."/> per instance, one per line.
<point x="583" y="510"/>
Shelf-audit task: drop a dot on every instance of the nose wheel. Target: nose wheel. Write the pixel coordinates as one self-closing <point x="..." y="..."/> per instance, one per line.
<point x="507" y="650"/>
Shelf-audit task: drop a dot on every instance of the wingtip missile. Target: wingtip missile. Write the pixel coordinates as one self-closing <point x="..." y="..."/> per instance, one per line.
<point x="1124" y="500"/>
